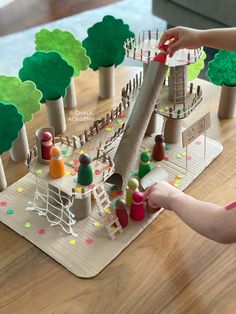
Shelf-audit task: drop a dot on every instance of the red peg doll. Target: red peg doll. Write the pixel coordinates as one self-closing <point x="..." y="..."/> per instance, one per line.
<point x="161" y="56"/>
<point x="121" y="212"/>
<point x="46" y="145"/>
<point x="137" y="207"/>
<point x="158" y="152"/>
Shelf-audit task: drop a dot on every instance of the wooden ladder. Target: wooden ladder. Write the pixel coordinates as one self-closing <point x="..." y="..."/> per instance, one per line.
<point x="179" y="92"/>
<point x="111" y="221"/>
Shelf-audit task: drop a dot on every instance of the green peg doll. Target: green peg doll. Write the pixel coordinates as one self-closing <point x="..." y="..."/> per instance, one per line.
<point x="145" y="165"/>
<point x="85" y="172"/>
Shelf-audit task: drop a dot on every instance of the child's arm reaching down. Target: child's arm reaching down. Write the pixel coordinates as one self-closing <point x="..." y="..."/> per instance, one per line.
<point x="212" y="221"/>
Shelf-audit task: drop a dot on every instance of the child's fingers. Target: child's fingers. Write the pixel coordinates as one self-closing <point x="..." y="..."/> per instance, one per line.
<point x="147" y="192"/>
<point x="174" y="46"/>
<point x="168" y="34"/>
<point x="152" y="203"/>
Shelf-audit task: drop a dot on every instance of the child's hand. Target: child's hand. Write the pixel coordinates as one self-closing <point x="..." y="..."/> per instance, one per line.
<point x="160" y="195"/>
<point x="181" y="37"/>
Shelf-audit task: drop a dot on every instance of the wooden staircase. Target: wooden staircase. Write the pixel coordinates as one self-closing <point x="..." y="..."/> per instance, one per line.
<point x="179" y="85"/>
<point x="111" y="221"/>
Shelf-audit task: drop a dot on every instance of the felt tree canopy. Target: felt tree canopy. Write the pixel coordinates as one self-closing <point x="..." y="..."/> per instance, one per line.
<point x="222" y="69"/>
<point x="50" y="73"/>
<point x="195" y="68"/>
<point x="66" y="45"/>
<point x="11" y="123"/>
<point x="24" y="95"/>
<point x="105" y="41"/>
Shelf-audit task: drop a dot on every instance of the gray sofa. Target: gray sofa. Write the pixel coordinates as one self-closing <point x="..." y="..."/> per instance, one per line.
<point x="196" y="13"/>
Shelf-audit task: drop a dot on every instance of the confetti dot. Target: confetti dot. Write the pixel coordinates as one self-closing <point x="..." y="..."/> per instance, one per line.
<point x="107" y="167"/>
<point x="72" y="242"/>
<point x="64" y="152"/>
<point x="119" y="192"/>
<point x="108" y="129"/>
<point x="76" y="161"/>
<point x="176" y="185"/>
<point x="78" y="189"/>
<point x="67" y="173"/>
<point x="189" y="158"/>
<point x="114" y="193"/>
<point x="38" y="171"/>
<point x="10" y="211"/>
<point x="179" y="156"/>
<point x="166" y="158"/>
<point x="27" y="225"/>
<point x="198" y="142"/>
<point x="161" y="110"/>
<point x="71" y="162"/>
<point x="96" y="224"/>
<point x="81" y="152"/>
<point x="89" y="148"/>
<point x="91" y="186"/>
<point x="89" y="240"/>
<point x="183" y="154"/>
<point x="41" y="231"/>
<point x="97" y="172"/>
<point x="107" y="211"/>
<point x="147" y="149"/>
<point x="73" y="173"/>
<point x="20" y="189"/>
<point x="179" y="176"/>
<point x="167" y="147"/>
<point x="3" y="203"/>
<point x="113" y="204"/>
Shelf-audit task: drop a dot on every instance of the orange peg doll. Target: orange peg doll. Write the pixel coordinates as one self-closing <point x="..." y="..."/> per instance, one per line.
<point x="56" y="164"/>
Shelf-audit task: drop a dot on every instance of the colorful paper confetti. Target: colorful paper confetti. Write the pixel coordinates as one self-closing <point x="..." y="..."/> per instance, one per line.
<point x="10" y="211"/>
<point x="89" y="240"/>
<point x="73" y="173"/>
<point x="71" y="162"/>
<point x="107" y="211"/>
<point x="166" y="158"/>
<point x="72" y="242"/>
<point x="38" y="171"/>
<point x="41" y="231"/>
<point x="97" y="172"/>
<point x="27" y="225"/>
<point x="78" y="189"/>
<point x="91" y="186"/>
<point x="20" y="189"/>
<point x="76" y="168"/>
<point x="189" y="157"/>
<point x="89" y="148"/>
<point x="108" y="129"/>
<point x="3" y="203"/>
<point x="179" y="176"/>
<point x="81" y="152"/>
<point x="76" y="161"/>
<point x="198" y="142"/>
<point x="67" y="173"/>
<point x="96" y="224"/>
<point x="147" y="149"/>
<point x="167" y="147"/>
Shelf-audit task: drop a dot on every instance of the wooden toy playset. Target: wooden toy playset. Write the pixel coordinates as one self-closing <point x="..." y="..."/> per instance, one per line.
<point x="84" y="191"/>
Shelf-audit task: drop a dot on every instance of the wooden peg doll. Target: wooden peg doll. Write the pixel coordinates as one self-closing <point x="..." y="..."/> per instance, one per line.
<point x="158" y="152"/>
<point x="121" y="212"/>
<point x="133" y="185"/>
<point x="145" y="165"/>
<point x="85" y="172"/>
<point x="162" y="55"/>
<point x="137" y="207"/>
<point x="56" y="164"/>
<point x="46" y="145"/>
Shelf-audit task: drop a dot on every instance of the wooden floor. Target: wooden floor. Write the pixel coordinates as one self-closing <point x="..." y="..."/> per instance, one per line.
<point x="23" y="14"/>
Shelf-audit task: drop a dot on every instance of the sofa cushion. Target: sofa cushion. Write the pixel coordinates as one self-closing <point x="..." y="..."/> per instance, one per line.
<point x="220" y="11"/>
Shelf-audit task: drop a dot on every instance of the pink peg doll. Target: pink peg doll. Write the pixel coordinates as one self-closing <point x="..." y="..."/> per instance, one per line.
<point x="137" y="207"/>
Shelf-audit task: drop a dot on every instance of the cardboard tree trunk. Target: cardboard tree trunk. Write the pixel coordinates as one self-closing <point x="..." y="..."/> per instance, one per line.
<point x="70" y="100"/>
<point x="20" y="147"/>
<point x="172" y="131"/>
<point x="3" y="181"/>
<point x="81" y="208"/>
<point x="56" y="115"/>
<point x="107" y="82"/>
<point x="138" y="122"/>
<point x="227" y="102"/>
<point x="152" y="125"/>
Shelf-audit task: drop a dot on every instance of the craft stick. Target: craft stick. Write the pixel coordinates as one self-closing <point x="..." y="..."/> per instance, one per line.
<point x="191" y="88"/>
<point x="74" y="142"/>
<point x="68" y="141"/>
<point x="86" y="135"/>
<point x="149" y="35"/>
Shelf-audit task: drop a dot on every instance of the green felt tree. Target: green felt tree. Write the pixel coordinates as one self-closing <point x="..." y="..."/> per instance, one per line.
<point x="66" y="45"/>
<point x="24" y="95"/>
<point x="50" y="73"/>
<point x="11" y="123"/>
<point x="194" y="69"/>
<point x="222" y="69"/>
<point x="104" y="44"/>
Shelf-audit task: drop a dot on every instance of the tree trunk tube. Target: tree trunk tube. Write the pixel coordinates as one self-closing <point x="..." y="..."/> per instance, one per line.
<point x="81" y="208"/>
<point x="138" y="121"/>
<point x="227" y="102"/>
<point x="151" y="129"/>
<point x="172" y="131"/>
<point x="20" y="146"/>
<point x="3" y="181"/>
<point x="56" y="115"/>
<point x="70" y="100"/>
<point x="107" y="82"/>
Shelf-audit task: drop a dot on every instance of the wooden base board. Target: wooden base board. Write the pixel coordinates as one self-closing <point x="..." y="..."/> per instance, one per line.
<point x="89" y="253"/>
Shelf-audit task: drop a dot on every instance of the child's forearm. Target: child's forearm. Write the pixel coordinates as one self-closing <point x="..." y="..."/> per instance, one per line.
<point x="208" y="219"/>
<point x="222" y="38"/>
